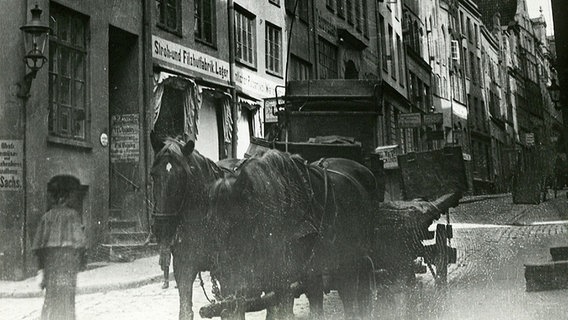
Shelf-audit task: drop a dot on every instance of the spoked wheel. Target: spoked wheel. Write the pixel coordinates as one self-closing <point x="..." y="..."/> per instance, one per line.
<point x="442" y="255"/>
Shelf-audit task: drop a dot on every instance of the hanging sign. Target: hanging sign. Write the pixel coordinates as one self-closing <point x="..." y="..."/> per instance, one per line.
<point x="432" y="119"/>
<point x="409" y="120"/>
<point x="125" y="138"/>
<point x="11" y="165"/>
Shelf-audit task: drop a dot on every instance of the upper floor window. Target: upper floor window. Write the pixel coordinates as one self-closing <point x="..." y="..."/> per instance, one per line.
<point x="169" y="15"/>
<point x="299" y="69"/>
<point x="245" y="37"/>
<point x="340" y="7"/>
<point x="205" y="21"/>
<point x="298" y="7"/>
<point x="68" y="108"/>
<point x="327" y="60"/>
<point x="349" y="11"/>
<point x="273" y="49"/>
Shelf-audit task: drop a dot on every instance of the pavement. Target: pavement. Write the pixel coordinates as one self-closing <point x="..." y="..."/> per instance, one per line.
<point x="488" y="209"/>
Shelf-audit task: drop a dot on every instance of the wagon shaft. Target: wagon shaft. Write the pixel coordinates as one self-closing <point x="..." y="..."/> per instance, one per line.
<point x="249" y="305"/>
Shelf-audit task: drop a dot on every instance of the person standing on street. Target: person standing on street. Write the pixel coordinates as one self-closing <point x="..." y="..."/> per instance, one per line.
<point x="59" y="245"/>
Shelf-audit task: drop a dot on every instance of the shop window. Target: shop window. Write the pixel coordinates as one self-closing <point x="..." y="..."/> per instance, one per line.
<point x="169" y="15"/>
<point x="245" y="36"/>
<point x="327" y="59"/>
<point x="273" y="44"/>
<point x="68" y="108"/>
<point x="205" y="22"/>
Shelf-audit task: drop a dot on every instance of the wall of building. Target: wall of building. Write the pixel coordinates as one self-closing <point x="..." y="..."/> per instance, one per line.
<point x="46" y="155"/>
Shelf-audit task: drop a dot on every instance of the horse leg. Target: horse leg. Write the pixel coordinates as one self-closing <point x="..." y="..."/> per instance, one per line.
<point x="364" y="290"/>
<point x="184" y="274"/>
<point x="347" y="288"/>
<point x="283" y="310"/>
<point x="314" y="293"/>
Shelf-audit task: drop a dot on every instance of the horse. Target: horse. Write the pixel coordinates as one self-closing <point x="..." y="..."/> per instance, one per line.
<point x="181" y="179"/>
<point x="283" y="222"/>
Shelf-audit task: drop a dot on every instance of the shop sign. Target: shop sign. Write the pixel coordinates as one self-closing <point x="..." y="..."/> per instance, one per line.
<point x="409" y="120"/>
<point x="326" y="25"/>
<point x="11" y="165"/>
<point x="271" y="109"/>
<point x="529" y="139"/>
<point x="125" y="138"/>
<point x="189" y="59"/>
<point x="432" y="119"/>
<point x="389" y="155"/>
<point x="255" y="86"/>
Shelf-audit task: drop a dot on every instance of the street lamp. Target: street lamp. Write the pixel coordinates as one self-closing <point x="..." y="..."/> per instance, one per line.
<point x="554" y="91"/>
<point x="35" y="37"/>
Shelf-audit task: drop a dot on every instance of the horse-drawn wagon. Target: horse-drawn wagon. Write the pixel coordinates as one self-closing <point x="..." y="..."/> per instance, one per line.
<point x="339" y="118"/>
<point x="284" y="224"/>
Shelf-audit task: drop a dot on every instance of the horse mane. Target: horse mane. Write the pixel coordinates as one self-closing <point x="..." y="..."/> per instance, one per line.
<point x="271" y="187"/>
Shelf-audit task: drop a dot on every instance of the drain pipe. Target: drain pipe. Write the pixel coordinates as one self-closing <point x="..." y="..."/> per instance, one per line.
<point x="146" y="93"/>
<point x="234" y="107"/>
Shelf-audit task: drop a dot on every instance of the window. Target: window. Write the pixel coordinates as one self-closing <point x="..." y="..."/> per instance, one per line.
<point x="391" y="52"/>
<point x="299" y="7"/>
<point x="68" y="109"/>
<point x="327" y="60"/>
<point x="205" y="21"/>
<point x="340" y="7"/>
<point x="349" y="11"/>
<point x="245" y="38"/>
<point x="358" y="15"/>
<point x="472" y="67"/>
<point x="400" y="60"/>
<point x="383" y="42"/>
<point x="299" y="69"/>
<point x="329" y="4"/>
<point x="169" y="15"/>
<point x="273" y="43"/>
<point x="365" y="19"/>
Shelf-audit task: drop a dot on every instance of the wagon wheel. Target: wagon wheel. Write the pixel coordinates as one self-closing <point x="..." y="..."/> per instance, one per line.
<point x="442" y="255"/>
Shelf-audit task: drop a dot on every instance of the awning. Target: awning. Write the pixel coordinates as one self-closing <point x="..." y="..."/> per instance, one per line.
<point x="250" y="104"/>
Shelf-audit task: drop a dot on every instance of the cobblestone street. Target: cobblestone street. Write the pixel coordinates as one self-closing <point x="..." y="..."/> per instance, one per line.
<point x="486" y="283"/>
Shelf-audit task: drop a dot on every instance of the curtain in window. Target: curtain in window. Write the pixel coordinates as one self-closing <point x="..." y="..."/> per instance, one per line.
<point x="191" y="104"/>
<point x="227" y="120"/>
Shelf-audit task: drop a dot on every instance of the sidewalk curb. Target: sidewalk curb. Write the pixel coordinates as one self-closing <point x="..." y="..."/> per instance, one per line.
<point x="88" y="289"/>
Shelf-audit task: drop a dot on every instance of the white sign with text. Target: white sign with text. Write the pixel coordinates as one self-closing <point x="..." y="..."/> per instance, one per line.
<point x="189" y="59"/>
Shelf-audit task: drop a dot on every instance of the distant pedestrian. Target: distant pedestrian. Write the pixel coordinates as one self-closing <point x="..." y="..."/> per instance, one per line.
<point x="60" y="246"/>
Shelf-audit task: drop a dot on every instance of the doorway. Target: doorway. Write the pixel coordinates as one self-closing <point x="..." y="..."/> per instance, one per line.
<point x="127" y="214"/>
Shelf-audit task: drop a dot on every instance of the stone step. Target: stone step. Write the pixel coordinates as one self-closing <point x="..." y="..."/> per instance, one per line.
<point x="127" y="237"/>
<point x="125" y="225"/>
<point x="126" y="252"/>
<point x="546" y="276"/>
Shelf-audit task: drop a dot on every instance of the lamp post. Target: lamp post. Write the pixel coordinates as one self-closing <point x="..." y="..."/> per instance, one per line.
<point x="35" y="38"/>
<point x="554" y="91"/>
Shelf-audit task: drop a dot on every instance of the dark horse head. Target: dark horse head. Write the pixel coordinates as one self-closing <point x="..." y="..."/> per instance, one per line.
<point x="180" y="178"/>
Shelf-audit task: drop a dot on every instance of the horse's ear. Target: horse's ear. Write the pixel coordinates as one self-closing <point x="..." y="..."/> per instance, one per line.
<point x="157" y="143"/>
<point x="188" y="148"/>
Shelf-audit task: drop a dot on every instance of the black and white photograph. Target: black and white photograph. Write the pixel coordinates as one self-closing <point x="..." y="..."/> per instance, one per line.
<point x="283" y="159"/>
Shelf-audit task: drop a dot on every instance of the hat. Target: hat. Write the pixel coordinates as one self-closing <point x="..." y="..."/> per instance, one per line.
<point x="63" y="183"/>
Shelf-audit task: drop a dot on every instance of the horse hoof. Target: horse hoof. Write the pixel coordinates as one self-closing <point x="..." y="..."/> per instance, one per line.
<point x="165" y="285"/>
